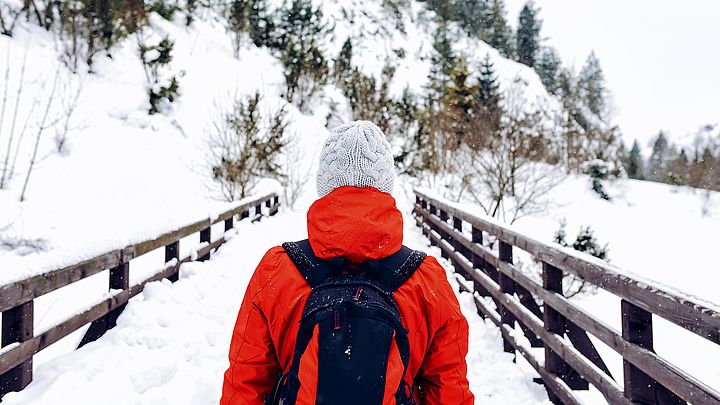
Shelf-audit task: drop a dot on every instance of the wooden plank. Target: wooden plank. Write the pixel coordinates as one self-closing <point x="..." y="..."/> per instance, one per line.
<point x="17" y="326"/>
<point x="687" y="312"/>
<point x="12" y="295"/>
<point x="680" y="382"/>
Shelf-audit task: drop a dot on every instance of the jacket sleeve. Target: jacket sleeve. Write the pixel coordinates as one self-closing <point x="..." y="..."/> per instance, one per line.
<point x="443" y="373"/>
<point x="253" y="363"/>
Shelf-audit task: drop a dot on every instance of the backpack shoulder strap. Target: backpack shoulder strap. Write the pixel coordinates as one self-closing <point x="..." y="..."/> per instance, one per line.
<point x="313" y="269"/>
<point x="399" y="267"/>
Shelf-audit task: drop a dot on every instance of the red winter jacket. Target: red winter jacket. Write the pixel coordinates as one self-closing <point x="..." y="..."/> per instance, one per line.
<point x="359" y="224"/>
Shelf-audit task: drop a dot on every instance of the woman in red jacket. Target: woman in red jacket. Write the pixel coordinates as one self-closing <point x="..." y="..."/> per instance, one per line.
<point x="355" y="218"/>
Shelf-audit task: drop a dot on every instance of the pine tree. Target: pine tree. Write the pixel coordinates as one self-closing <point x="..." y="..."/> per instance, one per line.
<point x="342" y="68"/>
<point x="473" y="16"/>
<point x="460" y="104"/>
<point x="488" y="86"/>
<point x="528" y="34"/>
<point x="657" y="162"/>
<point x="260" y="23"/>
<point x="548" y="68"/>
<point x="591" y="86"/>
<point x="442" y="62"/>
<point x="634" y="167"/>
<point x="300" y="30"/>
<point x="498" y="34"/>
<point x="486" y="122"/>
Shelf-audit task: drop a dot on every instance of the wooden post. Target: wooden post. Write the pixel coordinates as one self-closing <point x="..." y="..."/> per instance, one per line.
<point x="554" y="322"/>
<point x="478" y="263"/>
<point x="432" y="226"/>
<point x="172" y="251"/>
<point x="507" y="286"/>
<point x="640" y="387"/>
<point x="230" y="223"/>
<point x="17" y="326"/>
<point x="637" y="328"/>
<point x="245" y="214"/>
<point x="119" y="280"/>
<point x="205" y="237"/>
<point x="444" y="218"/>
<point x="258" y="212"/>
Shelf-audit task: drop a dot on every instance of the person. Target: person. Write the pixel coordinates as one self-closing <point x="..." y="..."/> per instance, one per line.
<point x="355" y="219"/>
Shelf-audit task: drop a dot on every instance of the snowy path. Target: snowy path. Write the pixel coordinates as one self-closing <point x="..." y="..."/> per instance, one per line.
<point x="171" y="342"/>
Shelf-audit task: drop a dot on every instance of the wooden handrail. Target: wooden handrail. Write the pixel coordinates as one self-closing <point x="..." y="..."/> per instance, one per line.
<point x="20" y="343"/>
<point x="648" y="377"/>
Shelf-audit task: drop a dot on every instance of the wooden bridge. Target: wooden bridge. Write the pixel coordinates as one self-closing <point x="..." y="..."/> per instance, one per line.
<point x="20" y="342"/>
<point x="553" y="335"/>
<point x="549" y="320"/>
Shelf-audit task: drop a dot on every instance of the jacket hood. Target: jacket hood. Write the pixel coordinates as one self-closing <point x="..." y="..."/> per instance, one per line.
<point x="356" y="223"/>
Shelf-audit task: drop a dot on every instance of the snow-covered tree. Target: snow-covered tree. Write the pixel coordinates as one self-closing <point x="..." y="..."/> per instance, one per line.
<point x="498" y="33"/>
<point x="301" y="30"/>
<point x="548" y="68"/>
<point x="634" y="166"/>
<point x="657" y="163"/>
<point x="592" y="88"/>
<point x="528" y="34"/>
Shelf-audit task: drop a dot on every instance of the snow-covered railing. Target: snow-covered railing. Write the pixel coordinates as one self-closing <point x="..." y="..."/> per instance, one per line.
<point x="571" y="361"/>
<point x="19" y="342"/>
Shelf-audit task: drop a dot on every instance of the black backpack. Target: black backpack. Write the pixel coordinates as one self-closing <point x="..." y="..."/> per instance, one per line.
<point x="357" y="318"/>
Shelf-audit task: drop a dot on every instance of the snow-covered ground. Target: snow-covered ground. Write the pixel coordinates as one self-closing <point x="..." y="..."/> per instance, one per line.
<point x="171" y="342"/>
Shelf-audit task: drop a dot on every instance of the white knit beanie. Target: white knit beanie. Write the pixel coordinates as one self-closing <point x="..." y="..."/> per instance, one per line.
<point x="356" y="154"/>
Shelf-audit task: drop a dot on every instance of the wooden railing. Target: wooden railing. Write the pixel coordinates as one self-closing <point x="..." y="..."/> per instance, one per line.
<point x="19" y="342"/>
<point x="561" y="327"/>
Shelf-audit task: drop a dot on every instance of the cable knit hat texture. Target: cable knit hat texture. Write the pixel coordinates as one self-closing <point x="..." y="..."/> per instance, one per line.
<point x="356" y="154"/>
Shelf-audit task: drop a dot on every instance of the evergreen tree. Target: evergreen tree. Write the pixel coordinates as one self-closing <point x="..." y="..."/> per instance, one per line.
<point x="591" y="86"/>
<point x="442" y="62"/>
<point x="498" y="33"/>
<point x="488" y="86"/>
<point x="486" y="122"/>
<point x="634" y="166"/>
<point x="656" y="164"/>
<point x="300" y="31"/>
<point x="260" y="23"/>
<point x="251" y="17"/>
<point x="528" y="34"/>
<point x="473" y="16"/>
<point x="548" y="68"/>
<point x="342" y="68"/>
<point x="460" y="104"/>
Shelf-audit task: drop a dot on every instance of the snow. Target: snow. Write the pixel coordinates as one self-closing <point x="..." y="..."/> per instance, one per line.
<point x="171" y="342"/>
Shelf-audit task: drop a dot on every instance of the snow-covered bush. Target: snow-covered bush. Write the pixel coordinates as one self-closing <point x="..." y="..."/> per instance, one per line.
<point x="598" y="170"/>
<point x="584" y="242"/>
<point x="244" y="146"/>
<point x="154" y="58"/>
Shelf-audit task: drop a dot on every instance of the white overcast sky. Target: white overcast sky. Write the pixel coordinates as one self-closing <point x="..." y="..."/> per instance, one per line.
<point x="661" y="58"/>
